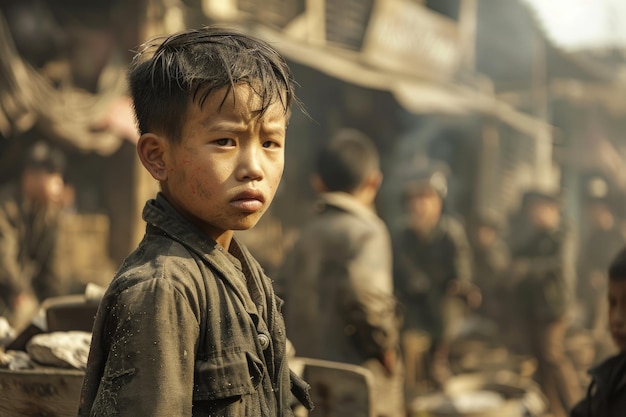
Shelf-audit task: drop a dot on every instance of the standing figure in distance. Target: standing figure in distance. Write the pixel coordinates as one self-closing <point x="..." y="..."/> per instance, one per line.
<point x="604" y="240"/>
<point x="190" y="325"/>
<point x="30" y="211"/>
<point x="433" y="268"/>
<point x="539" y="273"/>
<point x="339" y="298"/>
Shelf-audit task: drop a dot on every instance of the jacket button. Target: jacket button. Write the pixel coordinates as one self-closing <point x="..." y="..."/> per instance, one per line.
<point x="264" y="340"/>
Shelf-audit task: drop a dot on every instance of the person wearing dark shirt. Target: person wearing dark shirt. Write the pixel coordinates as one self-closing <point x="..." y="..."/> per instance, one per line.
<point x="606" y="395"/>
<point x="539" y="271"/>
<point x="30" y="213"/>
<point x="432" y="266"/>
<point x="190" y="324"/>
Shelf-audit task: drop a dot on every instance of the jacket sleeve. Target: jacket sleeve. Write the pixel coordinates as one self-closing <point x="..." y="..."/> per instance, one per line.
<point x="147" y="354"/>
<point x="369" y="298"/>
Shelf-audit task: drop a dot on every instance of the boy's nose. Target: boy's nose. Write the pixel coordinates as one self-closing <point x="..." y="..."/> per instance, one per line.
<point x="250" y="164"/>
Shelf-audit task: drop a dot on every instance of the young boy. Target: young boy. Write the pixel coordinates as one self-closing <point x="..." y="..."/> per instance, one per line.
<point x="607" y="393"/>
<point x="190" y="325"/>
<point x="340" y="305"/>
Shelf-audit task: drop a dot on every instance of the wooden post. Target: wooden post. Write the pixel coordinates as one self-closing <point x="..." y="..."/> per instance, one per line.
<point x="316" y="21"/>
<point x="544" y="171"/>
<point x="467" y="32"/>
<point x="489" y="158"/>
<point x="144" y="186"/>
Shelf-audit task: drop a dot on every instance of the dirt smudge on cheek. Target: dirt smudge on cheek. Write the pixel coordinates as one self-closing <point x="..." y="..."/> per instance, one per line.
<point x="201" y="190"/>
<point x="195" y="184"/>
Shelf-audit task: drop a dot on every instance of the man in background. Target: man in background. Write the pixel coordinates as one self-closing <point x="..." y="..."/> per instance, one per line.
<point x="339" y="297"/>
<point x="30" y="210"/>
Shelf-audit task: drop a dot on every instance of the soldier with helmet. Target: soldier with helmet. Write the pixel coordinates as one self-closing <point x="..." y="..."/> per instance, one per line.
<point x="433" y="265"/>
<point x="540" y="281"/>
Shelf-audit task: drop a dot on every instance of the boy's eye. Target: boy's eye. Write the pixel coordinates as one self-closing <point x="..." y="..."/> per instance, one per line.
<point x="270" y="144"/>
<point x="224" y="142"/>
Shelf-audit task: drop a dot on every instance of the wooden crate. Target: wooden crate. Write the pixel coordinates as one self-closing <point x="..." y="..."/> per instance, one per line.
<point x="40" y="392"/>
<point x="337" y="389"/>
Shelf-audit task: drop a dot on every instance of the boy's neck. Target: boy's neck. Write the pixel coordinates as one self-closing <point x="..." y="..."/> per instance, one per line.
<point x="225" y="239"/>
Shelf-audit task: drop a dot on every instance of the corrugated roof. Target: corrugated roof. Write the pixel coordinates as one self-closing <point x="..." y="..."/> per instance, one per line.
<point x="414" y="94"/>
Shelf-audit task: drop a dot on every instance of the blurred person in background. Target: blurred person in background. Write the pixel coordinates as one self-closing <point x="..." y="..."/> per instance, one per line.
<point x="604" y="240"/>
<point x="339" y="302"/>
<point x="433" y="269"/>
<point x="540" y="288"/>
<point x="30" y="210"/>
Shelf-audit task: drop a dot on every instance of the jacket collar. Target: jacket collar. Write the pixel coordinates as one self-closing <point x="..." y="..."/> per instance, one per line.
<point x="159" y="213"/>
<point x="348" y="203"/>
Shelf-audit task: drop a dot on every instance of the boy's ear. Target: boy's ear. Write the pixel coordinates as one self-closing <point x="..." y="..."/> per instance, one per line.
<point x="151" y="150"/>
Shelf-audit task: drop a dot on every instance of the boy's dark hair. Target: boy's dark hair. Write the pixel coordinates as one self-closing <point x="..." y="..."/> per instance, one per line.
<point x="346" y="160"/>
<point x="167" y="74"/>
<point x="617" y="269"/>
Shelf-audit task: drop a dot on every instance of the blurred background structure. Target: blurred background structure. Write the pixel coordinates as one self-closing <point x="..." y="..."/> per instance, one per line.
<point x="478" y="85"/>
<point x="494" y="90"/>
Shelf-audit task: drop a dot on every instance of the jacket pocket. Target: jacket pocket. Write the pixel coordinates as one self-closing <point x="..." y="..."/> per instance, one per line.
<point x="226" y="374"/>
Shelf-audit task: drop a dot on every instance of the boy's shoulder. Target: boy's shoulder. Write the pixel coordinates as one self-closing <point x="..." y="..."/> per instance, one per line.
<point x="344" y="210"/>
<point x="157" y="257"/>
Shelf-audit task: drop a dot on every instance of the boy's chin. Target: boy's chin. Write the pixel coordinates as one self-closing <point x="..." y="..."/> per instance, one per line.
<point x="247" y="223"/>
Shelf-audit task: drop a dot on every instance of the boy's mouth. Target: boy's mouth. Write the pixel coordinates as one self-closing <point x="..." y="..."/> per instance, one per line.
<point x="250" y="200"/>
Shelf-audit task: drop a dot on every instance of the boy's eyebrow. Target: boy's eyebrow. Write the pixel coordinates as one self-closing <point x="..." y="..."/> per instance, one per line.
<point x="240" y="125"/>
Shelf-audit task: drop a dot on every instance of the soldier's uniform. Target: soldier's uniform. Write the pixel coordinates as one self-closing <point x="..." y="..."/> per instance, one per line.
<point x="425" y="267"/>
<point x="543" y="298"/>
<point x="432" y="263"/>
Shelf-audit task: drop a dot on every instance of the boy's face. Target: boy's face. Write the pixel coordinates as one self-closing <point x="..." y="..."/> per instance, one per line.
<point x="617" y="312"/>
<point x="225" y="171"/>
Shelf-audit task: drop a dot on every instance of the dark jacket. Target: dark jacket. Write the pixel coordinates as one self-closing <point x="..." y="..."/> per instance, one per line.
<point x="187" y="329"/>
<point x="340" y="304"/>
<point x="607" y="393"/>
<point x="28" y="241"/>
<point x="544" y="292"/>
<point x="425" y="267"/>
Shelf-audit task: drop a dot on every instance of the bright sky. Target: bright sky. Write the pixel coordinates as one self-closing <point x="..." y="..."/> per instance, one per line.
<point x="583" y="23"/>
